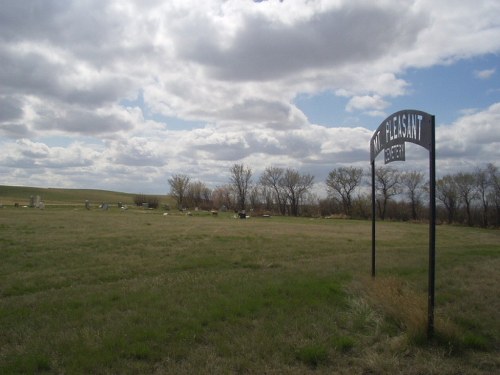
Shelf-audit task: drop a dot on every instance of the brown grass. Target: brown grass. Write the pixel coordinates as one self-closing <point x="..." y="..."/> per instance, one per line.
<point x="397" y="300"/>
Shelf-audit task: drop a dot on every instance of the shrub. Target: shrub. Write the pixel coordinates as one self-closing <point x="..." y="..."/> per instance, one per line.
<point x="152" y="201"/>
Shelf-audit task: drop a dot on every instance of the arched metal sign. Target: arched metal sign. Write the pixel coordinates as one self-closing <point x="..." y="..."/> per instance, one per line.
<point x="391" y="136"/>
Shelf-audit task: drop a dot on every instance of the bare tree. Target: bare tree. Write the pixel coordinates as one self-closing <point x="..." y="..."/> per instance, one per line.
<point x="341" y="184"/>
<point x="484" y="185"/>
<point x="447" y="193"/>
<point x="387" y="185"/>
<point x="198" y="193"/>
<point x="241" y="178"/>
<point x="296" y="186"/>
<point x="178" y="187"/>
<point x="255" y="197"/>
<point x="267" y="194"/>
<point x="467" y="192"/>
<point x="413" y="183"/>
<point x="270" y="179"/>
<point x="222" y="197"/>
<point x="494" y="195"/>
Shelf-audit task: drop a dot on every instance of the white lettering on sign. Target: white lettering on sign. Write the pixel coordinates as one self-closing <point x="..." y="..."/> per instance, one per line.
<point x="405" y="127"/>
<point x="376" y="142"/>
<point x="394" y="153"/>
<point x="400" y="127"/>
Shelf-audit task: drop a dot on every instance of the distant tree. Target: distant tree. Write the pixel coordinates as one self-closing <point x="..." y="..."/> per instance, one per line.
<point x="271" y="179"/>
<point x="467" y="192"/>
<point x="267" y="195"/>
<point x="387" y="185"/>
<point x="484" y="186"/>
<point x="342" y="183"/>
<point x="310" y="205"/>
<point x="362" y="206"/>
<point x="151" y="200"/>
<point x="447" y="193"/>
<point x="179" y="184"/>
<point x="413" y="184"/>
<point x="326" y="206"/>
<point x="255" y="197"/>
<point x="198" y="194"/>
<point x="241" y="178"/>
<point x="139" y="199"/>
<point x="222" y="197"/>
<point x="206" y="195"/>
<point x="296" y="185"/>
<point x="494" y="195"/>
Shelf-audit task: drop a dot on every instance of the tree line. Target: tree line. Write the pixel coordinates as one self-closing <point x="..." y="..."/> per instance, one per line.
<point x="470" y="198"/>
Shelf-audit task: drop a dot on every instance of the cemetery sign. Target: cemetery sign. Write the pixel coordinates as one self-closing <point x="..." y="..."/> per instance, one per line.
<point x="398" y="128"/>
<point x="391" y="136"/>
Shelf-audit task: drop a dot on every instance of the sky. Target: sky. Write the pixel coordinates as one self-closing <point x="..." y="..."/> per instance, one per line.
<point x="121" y="94"/>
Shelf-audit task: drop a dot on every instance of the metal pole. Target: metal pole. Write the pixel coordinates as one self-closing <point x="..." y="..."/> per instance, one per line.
<point x="373" y="218"/>
<point x="432" y="231"/>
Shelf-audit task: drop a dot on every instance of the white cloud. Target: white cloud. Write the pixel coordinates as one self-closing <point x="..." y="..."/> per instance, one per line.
<point x="374" y="104"/>
<point x="264" y="48"/>
<point x="473" y="130"/>
<point x="11" y="109"/>
<point x="472" y="140"/>
<point x="234" y="67"/>
<point x="484" y="74"/>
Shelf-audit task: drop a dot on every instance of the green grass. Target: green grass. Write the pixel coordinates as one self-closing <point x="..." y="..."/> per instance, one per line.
<point x="138" y="292"/>
<point x="54" y="196"/>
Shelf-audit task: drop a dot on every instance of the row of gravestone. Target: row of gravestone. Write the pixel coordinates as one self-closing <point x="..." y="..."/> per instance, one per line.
<point x="35" y="202"/>
<point x="105" y="206"/>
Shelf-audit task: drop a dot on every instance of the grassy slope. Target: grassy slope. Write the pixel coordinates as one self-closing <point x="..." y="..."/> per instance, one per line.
<point x="20" y="194"/>
<point x="139" y="292"/>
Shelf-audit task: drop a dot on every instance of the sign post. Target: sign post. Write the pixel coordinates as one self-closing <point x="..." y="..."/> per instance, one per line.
<point x="432" y="231"/>
<point x="391" y="136"/>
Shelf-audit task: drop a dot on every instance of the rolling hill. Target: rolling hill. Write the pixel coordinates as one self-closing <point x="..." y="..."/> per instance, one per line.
<point x="55" y="196"/>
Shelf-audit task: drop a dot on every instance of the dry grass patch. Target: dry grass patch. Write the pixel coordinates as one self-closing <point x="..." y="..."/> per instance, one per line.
<point x="400" y="303"/>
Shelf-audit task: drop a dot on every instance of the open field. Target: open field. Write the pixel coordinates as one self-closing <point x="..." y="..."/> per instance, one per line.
<point x="53" y="196"/>
<point x="115" y="292"/>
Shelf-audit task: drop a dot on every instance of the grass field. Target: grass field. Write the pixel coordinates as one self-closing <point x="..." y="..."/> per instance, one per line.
<point x="114" y="292"/>
<point x="53" y="196"/>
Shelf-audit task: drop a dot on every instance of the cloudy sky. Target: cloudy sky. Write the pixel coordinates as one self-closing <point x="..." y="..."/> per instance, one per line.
<point x="122" y="94"/>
